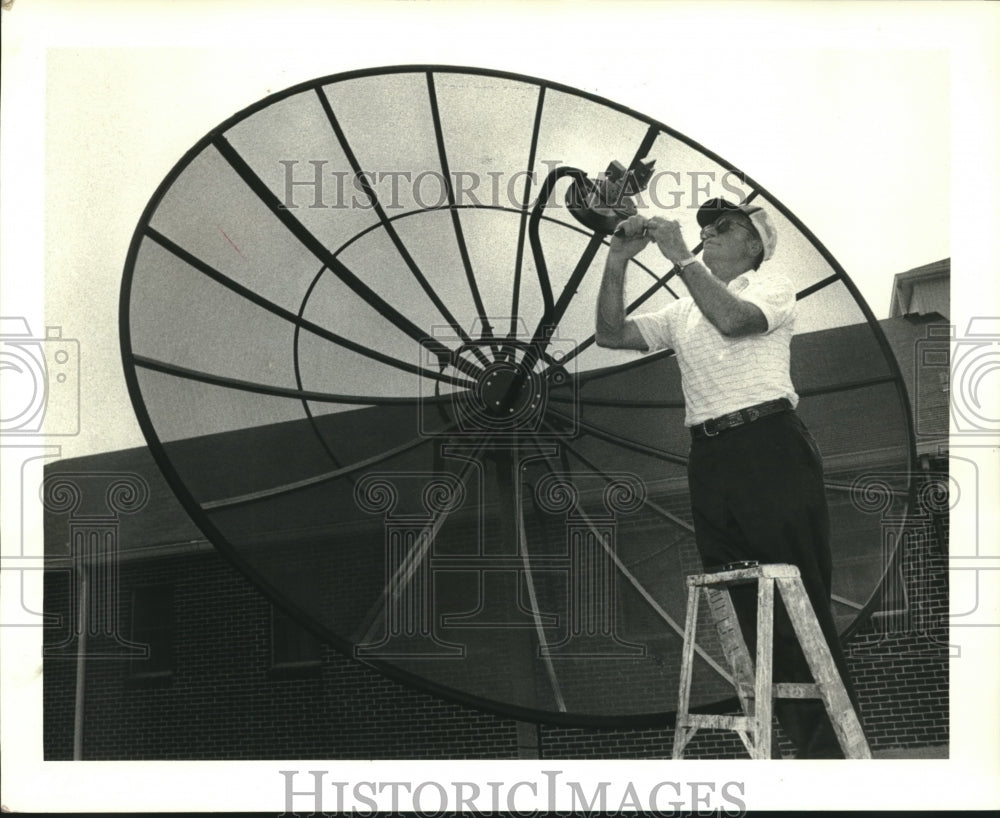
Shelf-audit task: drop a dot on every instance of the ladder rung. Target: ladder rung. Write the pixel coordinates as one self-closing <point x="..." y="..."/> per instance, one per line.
<point x="715" y="721"/>
<point x="786" y="690"/>
<point x="796" y="690"/>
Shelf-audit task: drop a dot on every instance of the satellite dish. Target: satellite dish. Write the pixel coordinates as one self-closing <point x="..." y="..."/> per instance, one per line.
<point x="360" y="346"/>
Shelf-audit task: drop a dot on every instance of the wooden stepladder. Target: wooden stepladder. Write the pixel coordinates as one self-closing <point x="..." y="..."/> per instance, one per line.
<point x="753" y="680"/>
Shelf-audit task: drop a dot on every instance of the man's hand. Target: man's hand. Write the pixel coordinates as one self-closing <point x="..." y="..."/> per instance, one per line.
<point x="668" y="237"/>
<point x="630" y="237"/>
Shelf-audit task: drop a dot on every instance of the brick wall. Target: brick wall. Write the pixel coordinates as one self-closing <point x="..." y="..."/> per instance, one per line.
<point x="222" y="701"/>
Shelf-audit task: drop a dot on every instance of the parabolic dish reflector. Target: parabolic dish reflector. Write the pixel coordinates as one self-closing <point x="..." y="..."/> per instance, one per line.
<point x="362" y="354"/>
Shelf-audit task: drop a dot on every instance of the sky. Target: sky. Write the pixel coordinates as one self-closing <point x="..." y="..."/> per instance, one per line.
<point x="848" y="125"/>
<point x="875" y="124"/>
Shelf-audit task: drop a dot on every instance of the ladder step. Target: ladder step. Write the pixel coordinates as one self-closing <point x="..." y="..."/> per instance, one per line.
<point x="776" y="571"/>
<point x="796" y="690"/>
<point x="716" y="722"/>
<point x="787" y="690"/>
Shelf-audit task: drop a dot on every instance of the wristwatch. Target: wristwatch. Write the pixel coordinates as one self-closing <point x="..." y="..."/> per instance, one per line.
<point x="684" y="262"/>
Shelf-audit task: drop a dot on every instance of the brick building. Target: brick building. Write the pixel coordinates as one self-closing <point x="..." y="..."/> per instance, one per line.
<point x="199" y="665"/>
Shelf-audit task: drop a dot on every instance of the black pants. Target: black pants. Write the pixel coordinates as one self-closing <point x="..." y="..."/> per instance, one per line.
<point x="757" y="494"/>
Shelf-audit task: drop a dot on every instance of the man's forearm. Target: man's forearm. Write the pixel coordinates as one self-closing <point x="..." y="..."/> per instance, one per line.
<point x="729" y="314"/>
<point x="613" y="328"/>
<point x="611" y="300"/>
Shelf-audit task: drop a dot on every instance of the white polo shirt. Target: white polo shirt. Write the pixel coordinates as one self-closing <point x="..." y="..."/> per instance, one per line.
<point x="718" y="374"/>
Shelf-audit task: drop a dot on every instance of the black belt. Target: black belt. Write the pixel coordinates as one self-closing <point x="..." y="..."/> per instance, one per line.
<point x="741" y="417"/>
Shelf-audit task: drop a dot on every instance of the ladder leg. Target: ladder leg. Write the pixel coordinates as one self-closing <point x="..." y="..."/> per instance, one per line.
<point x="845" y="720"/>
<point x="734" y="646"/>
<point x="681" y="728"/>
<point x="763" y="684"/>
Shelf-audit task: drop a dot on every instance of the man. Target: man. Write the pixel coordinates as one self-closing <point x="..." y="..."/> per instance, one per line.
<point x="754" y="472"/>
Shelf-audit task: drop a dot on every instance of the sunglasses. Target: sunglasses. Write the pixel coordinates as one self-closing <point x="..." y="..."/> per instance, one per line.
<point x="722" y="225"/>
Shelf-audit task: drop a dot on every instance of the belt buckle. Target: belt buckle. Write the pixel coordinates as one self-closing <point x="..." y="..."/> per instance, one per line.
<point x="708" y="428"/>
<point x="734" y="419"/>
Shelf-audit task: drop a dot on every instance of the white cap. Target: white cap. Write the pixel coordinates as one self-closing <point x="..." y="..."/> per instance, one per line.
<point x="714" y="209"/>
<point x="768" y="235"/>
